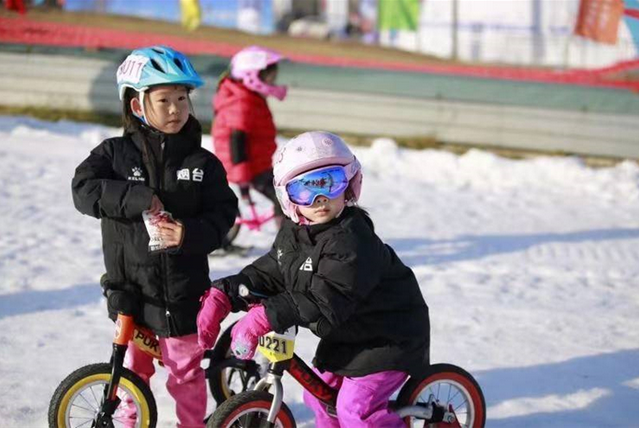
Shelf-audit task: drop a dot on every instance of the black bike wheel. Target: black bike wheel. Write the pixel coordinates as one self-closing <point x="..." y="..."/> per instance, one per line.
<point x="78" y="399"/>
<point x="232" y="234"/>
<point x="227" y="381"/>
<point x="451" y="387"/>
<point x="249" y="410"/>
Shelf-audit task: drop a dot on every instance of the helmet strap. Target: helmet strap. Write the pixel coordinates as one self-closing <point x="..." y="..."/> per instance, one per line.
<point x="191" y="108"/>
<point x="301" y="219"/>
<point x="141" y="117"/>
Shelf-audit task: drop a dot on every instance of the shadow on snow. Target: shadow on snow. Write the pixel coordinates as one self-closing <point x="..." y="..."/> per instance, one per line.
<point x="559" y="392"/>
<point x="414" y="251"/>
<point x="34" y="301"/>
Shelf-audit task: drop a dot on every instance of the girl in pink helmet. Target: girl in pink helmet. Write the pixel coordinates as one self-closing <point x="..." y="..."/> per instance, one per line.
<point x="243" y="128"/>
<point x="329" y="271"/>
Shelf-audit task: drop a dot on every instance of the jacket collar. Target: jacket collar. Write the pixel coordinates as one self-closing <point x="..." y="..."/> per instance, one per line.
<point x="230" y="91"/>
<point x="188" y="139"/>
<point x="309" y="234"/>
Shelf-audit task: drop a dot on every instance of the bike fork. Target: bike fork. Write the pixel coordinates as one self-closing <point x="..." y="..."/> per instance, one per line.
<point x="264" y="384"/>
<point x="110" y="401"/>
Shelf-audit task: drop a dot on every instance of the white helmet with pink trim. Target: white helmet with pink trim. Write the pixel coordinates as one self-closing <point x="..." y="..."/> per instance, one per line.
<point x="309" y="151"/>
<point x="247" y="64"/>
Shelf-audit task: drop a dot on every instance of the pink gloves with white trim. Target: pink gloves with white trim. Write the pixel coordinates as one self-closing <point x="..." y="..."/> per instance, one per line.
<point x="215" y="307"/>
<point x="246" y="332"/>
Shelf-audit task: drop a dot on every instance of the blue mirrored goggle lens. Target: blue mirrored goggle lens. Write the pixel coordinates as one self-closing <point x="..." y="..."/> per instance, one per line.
<point x="329" y="182"/>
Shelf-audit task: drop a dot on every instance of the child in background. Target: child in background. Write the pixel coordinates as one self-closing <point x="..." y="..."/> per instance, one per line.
<point x="159" y="164"/>
<point x="328" y="270"/>
<point x="243" y="128"/>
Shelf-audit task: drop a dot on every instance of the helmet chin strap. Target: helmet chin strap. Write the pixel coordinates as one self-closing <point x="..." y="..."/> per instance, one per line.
<point x="143" y="116"/>
<point x="191" y="108"/>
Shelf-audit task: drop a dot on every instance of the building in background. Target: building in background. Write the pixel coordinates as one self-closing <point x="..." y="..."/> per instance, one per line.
<point x="523" y="32"/>
<point x="527" y="32"/>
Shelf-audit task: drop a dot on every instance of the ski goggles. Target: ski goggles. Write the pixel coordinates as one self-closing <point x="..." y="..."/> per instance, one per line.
<point x="329" y="182"/>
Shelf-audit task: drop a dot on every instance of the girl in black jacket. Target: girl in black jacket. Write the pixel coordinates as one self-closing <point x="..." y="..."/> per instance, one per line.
<point x="158" y="165"/>
<point x="328" y="269"/>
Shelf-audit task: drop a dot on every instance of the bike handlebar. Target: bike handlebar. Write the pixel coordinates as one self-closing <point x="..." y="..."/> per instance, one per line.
<point x="321" y="327"/>
<point x="122" y="302"/>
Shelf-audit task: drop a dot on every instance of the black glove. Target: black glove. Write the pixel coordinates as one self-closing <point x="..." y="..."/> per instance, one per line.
<point x="119" y="300"/>
<point x="230" y="285"/>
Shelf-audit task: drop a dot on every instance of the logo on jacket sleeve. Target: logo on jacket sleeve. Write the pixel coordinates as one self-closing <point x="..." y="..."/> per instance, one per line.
<point x="185" y="174"/>
<point x="198" y="174"/>
<point x="307" y="265"/>
<point x="137" y="175"/>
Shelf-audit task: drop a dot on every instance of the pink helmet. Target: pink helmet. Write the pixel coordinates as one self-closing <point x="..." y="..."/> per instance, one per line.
<point x="247" y="64"/>
<point x="309" y="151"/>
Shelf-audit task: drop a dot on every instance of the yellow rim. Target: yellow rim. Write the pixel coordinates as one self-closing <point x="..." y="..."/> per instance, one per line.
<point x="225" y="386"/>
<point x="145" y="418"/>
<point x="224" y="377"/>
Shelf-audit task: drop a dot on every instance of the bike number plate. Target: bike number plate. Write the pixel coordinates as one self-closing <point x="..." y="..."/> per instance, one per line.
<point x="278" y="347"/>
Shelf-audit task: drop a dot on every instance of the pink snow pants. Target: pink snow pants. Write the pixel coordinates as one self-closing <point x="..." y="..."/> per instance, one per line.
<point x="362" y="402"/>
<point x="186" y="382"/>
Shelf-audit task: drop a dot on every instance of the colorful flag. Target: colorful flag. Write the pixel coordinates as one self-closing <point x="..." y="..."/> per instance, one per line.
<point x="398" y="15"/>
<point x="191" y="15"/>
<point x="599" y="20"/>
<point x="632" y="20"/>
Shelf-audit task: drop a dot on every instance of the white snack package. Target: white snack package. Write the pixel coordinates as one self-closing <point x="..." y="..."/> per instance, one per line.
<point x="151" y="222"/>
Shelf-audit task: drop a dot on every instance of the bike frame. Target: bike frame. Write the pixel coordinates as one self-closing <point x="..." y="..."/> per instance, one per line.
<point x="313" y="383"/>
<point x="304" y="375"/>
<point x="275" y="350"/>
<point x="326" y="394"/>
<point x="125" y="331"/>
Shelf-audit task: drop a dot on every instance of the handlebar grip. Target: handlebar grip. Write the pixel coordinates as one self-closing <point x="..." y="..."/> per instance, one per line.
<point x="122" y="302"/>
<point x="250" y="296"/>
<point x="244" y="291"/>
<point x="322" y="327"/>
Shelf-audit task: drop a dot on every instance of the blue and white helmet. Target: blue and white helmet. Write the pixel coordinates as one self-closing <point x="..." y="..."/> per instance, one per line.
<point x="156" y="65"/>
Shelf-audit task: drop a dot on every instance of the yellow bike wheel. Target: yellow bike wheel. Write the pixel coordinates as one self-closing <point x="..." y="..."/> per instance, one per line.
<point x="78" y="399"/>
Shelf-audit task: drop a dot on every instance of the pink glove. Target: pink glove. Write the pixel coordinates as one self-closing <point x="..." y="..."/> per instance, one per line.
<point x="246" y="332"/>
<point x="215" y="307"/>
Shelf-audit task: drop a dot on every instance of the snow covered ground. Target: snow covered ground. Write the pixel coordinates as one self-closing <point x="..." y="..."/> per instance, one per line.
<point x="530" y="269"/>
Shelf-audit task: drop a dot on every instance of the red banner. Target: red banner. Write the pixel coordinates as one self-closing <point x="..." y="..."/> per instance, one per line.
<point x="599" y="20"/>
<point x="25" y="31"/>
<point x="633" y="13"/>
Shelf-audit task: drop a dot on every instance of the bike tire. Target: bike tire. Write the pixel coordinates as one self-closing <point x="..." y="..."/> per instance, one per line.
<point x="218" y="378"/>
<point x="93" y="378"/>
<point x="468" y="400"/>
<point x="249" y="409"/>
<point x="233" y="233"/>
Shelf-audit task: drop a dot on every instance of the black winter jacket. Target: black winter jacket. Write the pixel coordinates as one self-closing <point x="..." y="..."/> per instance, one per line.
<point x="343" y="272"/>
<point x="116" y="184"/>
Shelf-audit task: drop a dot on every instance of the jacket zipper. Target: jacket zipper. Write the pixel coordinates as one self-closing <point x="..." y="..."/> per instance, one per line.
<point x="166" y="298"/>
<point x="160" y="175"/>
